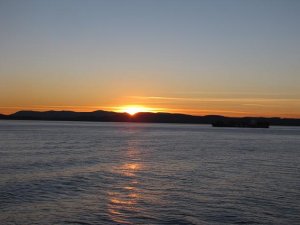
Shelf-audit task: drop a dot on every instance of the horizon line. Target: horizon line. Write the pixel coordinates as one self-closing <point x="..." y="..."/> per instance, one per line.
<point x="154" y="112"/>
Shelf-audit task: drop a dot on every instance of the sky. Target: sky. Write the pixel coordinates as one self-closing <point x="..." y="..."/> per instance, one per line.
<point x="227" y="57"/>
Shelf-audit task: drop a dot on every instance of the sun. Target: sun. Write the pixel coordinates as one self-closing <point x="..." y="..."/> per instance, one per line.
<point x="132" y="110"/>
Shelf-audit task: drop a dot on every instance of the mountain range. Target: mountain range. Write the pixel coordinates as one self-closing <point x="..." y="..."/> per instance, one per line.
<point x="143" y="117"/>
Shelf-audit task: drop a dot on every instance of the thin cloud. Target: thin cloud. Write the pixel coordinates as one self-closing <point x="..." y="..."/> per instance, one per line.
<point x="217" y="99"/>
<point x="296" y="95"/>
<point x="51" y="107"/>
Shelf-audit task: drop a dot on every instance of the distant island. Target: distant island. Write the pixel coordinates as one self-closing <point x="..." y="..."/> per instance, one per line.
<point x="242" y="123"/>
<point x="145" y="117"/>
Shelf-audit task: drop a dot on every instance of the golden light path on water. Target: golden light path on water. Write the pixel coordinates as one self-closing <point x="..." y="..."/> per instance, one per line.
<point x="123" y="199"/>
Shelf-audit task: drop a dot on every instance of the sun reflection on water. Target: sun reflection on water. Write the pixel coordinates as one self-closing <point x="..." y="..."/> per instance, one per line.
<point x="124" y="196"/>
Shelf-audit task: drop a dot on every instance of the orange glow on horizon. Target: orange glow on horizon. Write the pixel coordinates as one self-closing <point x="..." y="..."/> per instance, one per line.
<point x="267" y="110"/>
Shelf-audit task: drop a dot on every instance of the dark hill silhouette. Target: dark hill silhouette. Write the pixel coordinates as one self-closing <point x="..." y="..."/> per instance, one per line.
<point x="144" y="117"/>
<point x="71" y="116"/>
<point x="3" y="116"/>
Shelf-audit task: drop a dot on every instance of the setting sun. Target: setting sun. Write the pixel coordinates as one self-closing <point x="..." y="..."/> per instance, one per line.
<point x="132" y="110"/>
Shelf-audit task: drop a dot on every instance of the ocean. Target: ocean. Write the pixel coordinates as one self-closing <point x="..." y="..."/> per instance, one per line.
<point x="135" y="173"/>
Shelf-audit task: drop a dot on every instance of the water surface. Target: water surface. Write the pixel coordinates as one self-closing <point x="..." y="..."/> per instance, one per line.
<point x="126" y="173"/>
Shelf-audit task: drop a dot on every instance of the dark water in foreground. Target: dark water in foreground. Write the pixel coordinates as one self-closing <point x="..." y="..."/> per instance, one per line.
<point x="120" y="173"/>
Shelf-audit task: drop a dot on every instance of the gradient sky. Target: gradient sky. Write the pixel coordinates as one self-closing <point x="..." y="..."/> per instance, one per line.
<point x="200" y="57"/>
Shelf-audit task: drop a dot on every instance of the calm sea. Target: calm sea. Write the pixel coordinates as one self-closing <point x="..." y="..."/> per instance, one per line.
<point x="124" y="173"/>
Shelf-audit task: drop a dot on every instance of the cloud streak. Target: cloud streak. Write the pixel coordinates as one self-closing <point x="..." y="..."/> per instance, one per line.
<point x="216" y="99"/>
